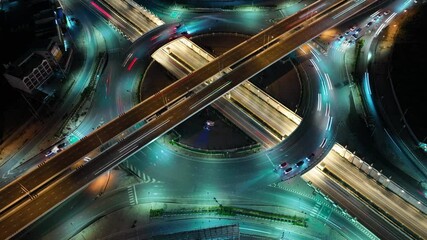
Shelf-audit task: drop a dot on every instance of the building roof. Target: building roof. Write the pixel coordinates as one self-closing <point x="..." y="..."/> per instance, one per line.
<point x="26" y="66"/>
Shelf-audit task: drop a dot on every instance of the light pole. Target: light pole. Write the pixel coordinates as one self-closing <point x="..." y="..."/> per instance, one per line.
<point x="388" y="182"/>
<point x="370" y="169"/>
<point x="345" y="151"/>
<point x="353" y="155"/>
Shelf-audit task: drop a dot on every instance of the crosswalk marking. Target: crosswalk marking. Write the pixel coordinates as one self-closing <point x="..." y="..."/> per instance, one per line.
<point x="131" y="195"/>
<point x="292" y="190"/>
<point x="144" y="177"/>
<point x="78" y="134"/>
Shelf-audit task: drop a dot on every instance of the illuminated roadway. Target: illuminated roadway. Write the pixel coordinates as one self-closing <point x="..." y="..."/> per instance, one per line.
<point x="389" y="202"/>
<point x="130" y="31"/>
<point x="366" y="215"/>
<point x="146" y="20"/>
<point x="182" y="56"/>
<point x="24" y="185"/>
<point x="274" y="119"/>
<point x="132" y="19"/>
<point x="154" y="128"/>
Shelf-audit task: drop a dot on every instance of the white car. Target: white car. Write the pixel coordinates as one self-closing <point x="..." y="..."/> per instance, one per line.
<point x="49" y="153"/>
<point x="353" y="28"/>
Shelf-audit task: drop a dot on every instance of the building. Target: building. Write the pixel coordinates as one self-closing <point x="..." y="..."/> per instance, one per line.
<point x="36" y="32"/>
<point x="40" y="64"/>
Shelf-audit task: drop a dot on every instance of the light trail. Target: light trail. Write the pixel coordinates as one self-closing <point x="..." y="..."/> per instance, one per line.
<point x="208" y="96"/>
<point x="347" y="9"/>
<point x="328" y="81"/>
<point x="144" y="135"/>
<point x="379" y="30"/>
<point x="132" y="63"/>
<point x="114" y="162"/>
<point x="323" y="143"/>
<point x="390" y="18"/>
<point x="374" y="14"/>
<point x="368" y="87"/>
<point x="329" y="123"/>
<point x="127" y="59"/>
<point x="328" y="108"/>
<point x="105" y="13"/>
<point x="302" y="50"/>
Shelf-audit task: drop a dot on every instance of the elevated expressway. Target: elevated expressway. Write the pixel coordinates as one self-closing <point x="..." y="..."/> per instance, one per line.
<point x="337" y="171"/>
<point x="190" y="57"/>
<point x="132" y="19"/>
<point x="271" y="124"/>
<point x="30" y="202"/>
<point x="14" y="192"/>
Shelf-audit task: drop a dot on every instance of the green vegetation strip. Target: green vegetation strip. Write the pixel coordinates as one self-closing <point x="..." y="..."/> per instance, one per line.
<point x="233" y="211"/>
<point x="358" y="51"/>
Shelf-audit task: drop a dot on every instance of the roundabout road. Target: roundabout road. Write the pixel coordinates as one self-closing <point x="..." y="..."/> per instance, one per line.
<point x="249" y="177"/>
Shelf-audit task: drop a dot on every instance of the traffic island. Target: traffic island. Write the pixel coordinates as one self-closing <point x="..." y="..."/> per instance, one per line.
<point x="209" y="134"/>
<point x="231" y="211"/>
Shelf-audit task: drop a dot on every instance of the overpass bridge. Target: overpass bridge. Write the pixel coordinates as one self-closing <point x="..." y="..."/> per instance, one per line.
<point x="182" y="56"/>
<point x="131" y="19"/>
<point x="29" y="194"/>
<point x="187" y="53"/>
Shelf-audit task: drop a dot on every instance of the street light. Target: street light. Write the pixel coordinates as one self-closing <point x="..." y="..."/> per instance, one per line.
<point x="370" y="168"/>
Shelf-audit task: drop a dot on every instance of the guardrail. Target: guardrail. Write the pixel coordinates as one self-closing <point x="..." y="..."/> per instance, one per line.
<point x="273" y="102"/>
<point x="386" y="182"/>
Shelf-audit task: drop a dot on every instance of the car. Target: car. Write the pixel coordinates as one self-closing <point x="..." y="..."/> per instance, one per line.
<point x="358" y="30"/>
<point x="355" y="36"/>
<point x="283" y="165"/>
<point x="346" y="33"/>
<point x="369" y="24"/>
<point x="311" y="156"/>
<point x="53" y="151"/>
<point x="300" y="163"/>
<point x="49" y="153"/>
<point x="62" y="145"/>
<point x="377" y="17"/>
<point x="386" y="12"/>
<point x="288" y="170"/>
<point x="208" y="125"/>
<point x="353" y="28"/>
<point x="340" y="38"/>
